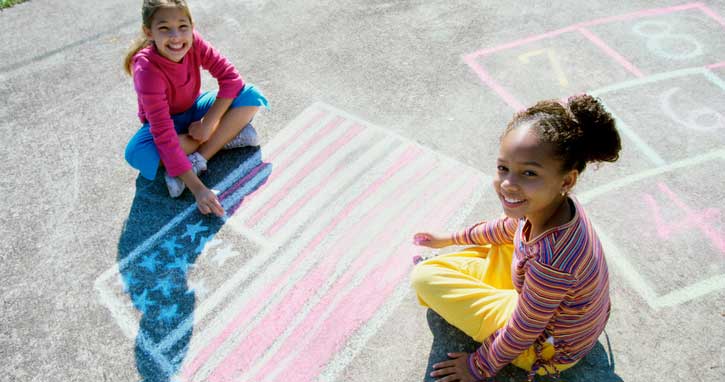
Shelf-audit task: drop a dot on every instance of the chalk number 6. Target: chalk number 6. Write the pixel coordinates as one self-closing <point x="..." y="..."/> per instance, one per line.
<point x="693" y="118"/>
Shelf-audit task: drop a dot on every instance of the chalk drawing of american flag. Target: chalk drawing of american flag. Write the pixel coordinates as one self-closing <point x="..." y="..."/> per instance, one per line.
<point x="329" y="208"/>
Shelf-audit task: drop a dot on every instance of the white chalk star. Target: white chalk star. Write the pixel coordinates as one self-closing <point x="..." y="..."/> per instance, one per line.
<point x="221" y="255"/>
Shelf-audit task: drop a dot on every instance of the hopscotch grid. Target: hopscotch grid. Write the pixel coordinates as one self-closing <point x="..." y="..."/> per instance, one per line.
<point x="379" y="258"/>
<point x="404" y="205"/>
<point x="471" y="59"/>
<point x="309" y="266"/>
<point x="605" y="20"/>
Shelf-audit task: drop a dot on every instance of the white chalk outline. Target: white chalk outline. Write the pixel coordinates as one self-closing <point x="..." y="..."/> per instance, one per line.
<point x="129" y="323"/>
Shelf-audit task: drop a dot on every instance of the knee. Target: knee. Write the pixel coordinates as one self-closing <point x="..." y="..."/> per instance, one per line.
<point x="420" y="277"/>
<point x="128" y="154"/>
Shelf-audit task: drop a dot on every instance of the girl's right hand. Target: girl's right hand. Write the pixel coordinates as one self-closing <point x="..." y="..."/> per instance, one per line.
<point x="431" y="240"/>
<point x="206" y="202"/>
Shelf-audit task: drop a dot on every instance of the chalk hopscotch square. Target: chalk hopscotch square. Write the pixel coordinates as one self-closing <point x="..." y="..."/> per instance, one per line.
<point x="663" y="42"/>
<point x="329" y="209"/>
<point x="677" y="114"/>
<point x="681" y="219"/>
<point x="545" y="68"/>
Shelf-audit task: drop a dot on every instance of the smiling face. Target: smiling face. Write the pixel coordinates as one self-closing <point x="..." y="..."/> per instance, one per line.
<point x="172" y="32"/>
<point x="529" y="179"/>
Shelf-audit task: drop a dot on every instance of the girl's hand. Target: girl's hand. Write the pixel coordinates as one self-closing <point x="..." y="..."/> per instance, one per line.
<point x="199" y="132"/>
<point x="455" y="369"/>
<point x="206" y="202"/>
<point x="430" y="240"/>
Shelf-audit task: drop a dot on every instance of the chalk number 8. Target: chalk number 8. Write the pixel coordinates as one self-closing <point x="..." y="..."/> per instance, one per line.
<point x="661" y="40"/>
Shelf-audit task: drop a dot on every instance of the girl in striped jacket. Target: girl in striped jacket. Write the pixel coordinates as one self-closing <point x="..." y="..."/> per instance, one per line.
<point x="534" y="286"/>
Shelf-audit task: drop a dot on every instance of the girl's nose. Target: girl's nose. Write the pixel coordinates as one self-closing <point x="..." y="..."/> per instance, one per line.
<point x="507" y="184"/>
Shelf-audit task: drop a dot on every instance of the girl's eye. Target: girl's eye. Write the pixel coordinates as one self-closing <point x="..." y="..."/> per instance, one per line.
<point x="163" y="29"/>
<point x="501" y="168"/>
<point x="184" y="27"/>
<point x="529" y="173"/>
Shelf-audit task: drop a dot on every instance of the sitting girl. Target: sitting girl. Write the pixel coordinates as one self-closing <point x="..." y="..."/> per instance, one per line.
<point x="183" y="128"/>
<point x="534" y="288"/>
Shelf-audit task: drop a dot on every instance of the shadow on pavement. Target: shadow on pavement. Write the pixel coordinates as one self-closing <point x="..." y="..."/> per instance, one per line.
<point x="160" y="241"/>
<point x="595" y="367"/>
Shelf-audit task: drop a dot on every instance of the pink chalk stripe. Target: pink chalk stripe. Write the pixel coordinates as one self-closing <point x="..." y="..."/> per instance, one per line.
<point x="515" y="43"/>
<point x="316" y="315"/>
<point x="610" y="52"/>
<point x="311" y="166"/>
<point x="640" y="14"/>
<point x="712" y="14"/>
<point x="292" y="210"/>
<point x="262" y="337"/>
<point x="203" y="356"/>
<point x="356" y="306"/>
<point x="716" y="238"/>
<point x="715" y="66"/>
<point x="315" y="118"/>
<point x="296" y="136"/>
<point x="488" y="80"/>
<point x="282" y="168"/>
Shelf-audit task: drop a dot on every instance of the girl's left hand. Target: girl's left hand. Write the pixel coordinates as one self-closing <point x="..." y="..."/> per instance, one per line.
<point x="199" y="132"/>
<point x="455" y="369"/>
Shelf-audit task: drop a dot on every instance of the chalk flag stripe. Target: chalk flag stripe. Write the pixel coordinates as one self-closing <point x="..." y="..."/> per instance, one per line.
<point x="325" y="140"/>
<point x="309" y="202"/>
<point x="402" y="157"/>
<point x="375" y="225"/>
<point x="290" y="153"/>
<point x="313" y="172"/>
<point x="356" y="301"/>
<point x="375" y="219"/>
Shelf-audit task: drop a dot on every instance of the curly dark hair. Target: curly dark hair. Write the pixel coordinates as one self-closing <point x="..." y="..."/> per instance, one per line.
<point x="581" y="131"/>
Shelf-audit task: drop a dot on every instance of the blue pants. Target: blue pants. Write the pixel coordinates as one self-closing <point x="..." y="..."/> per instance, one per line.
<point x="141" y="152"/>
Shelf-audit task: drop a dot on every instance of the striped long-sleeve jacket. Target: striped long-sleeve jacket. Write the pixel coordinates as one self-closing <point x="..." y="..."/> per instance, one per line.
<point x="563" y="284"/>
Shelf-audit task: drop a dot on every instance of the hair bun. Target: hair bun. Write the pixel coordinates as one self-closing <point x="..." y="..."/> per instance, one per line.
<point x="600" y="140"/>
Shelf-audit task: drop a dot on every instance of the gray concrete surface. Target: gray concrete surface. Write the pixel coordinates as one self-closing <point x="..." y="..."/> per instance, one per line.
<point x="74" y="217"/>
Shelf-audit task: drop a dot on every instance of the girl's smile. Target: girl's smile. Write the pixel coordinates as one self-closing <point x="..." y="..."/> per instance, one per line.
<point x="172" y="33"/>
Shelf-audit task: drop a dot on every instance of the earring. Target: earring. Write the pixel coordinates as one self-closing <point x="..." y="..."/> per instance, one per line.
<point x="563" y="192"/>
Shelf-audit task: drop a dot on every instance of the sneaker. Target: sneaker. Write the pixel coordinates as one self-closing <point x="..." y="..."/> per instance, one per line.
<point x="175" y="185"/>
<point x="246" y="137"/>
<point x="198" y="163"/>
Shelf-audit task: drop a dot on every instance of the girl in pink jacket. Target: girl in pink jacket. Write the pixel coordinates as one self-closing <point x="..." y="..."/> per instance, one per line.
<point x="183" y="127"/>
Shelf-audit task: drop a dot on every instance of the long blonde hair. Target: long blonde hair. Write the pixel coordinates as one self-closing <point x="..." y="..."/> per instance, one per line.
<point x="148" y="9"/>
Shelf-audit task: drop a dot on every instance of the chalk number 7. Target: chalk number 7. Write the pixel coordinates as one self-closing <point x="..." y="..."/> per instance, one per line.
<point x="553" y="61"/>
